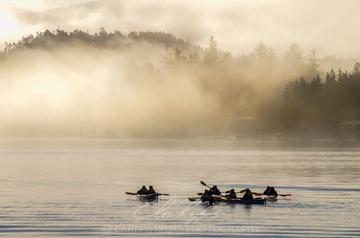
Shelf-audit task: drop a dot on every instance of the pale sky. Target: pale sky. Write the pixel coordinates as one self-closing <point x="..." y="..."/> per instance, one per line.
<point x="330" y="26"/>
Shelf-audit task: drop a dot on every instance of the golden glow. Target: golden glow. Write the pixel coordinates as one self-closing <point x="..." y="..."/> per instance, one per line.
<point x="7" y="24"/>
<point x="238" y="26"/>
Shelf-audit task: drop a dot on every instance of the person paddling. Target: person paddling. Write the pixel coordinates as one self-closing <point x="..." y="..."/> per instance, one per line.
<point x="142" y="191"/>
<point x="270" y="191"/>
<point x="151" y="190"/>
<point x="207" y="197"/>
<point x="231" y="195"/>
<point x="248" y="195"/>
<point x="266" y="190"/>
<point x="215" y="191"/>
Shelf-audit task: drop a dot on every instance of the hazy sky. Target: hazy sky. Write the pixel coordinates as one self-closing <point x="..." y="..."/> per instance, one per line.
<point x="330" y="26"/>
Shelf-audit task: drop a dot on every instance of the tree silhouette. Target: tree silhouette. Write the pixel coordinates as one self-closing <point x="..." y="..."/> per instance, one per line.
<point x="323" y="106"/>
<point x="212" y="50"/>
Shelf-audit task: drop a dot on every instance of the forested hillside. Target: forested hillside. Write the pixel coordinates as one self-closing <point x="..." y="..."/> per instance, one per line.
<point x="154" y="84"/>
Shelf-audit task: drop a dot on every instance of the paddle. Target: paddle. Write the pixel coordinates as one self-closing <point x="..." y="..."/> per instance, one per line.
<point x="285" y="194"/>
<point x="193" y="199"/>
<point x="203" y="183"/>
<point x="255" y="193"/>
<point x="261" y="194"/>
<point x="128" y="193"/>
<point x="242" y="191"/>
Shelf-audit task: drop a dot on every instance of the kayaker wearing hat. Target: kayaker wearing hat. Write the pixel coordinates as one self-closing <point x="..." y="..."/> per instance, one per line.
<point x="248" y="195"/>
<point x="151" y="190"/>
<point x="142" y="191"/>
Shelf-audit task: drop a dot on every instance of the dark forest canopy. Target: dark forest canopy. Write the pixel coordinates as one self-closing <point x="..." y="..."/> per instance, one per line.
<point x="51" y="39"/>
<point x="326" y="106"/>
<point x="259" y="94"/>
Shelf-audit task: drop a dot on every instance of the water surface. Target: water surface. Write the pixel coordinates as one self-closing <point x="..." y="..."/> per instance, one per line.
<point x="76" y="187"/>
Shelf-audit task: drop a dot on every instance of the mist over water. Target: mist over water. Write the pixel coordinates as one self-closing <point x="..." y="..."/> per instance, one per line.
<point x="127" y="89"/>
<point x="62" y="83"/>
<point x="75" y="89"/>
<point x="149" y="84"/>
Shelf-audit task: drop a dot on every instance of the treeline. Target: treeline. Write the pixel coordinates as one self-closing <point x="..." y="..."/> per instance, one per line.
<point x="259" y="93"/>
<point x="323" y="105"/>
<point x="50" y="39"/>
<point x="183" y="50"/>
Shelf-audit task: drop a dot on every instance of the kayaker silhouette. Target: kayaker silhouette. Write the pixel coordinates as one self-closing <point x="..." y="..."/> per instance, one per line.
<point x="151" y="190"/>
<point x="231" y="195"/>
<point x="215" y="191"/>
<point x="142" y="191"/>
<point x="207" y="197"/>
<point x="270" y="191"/>
<point x="248" y="195"/>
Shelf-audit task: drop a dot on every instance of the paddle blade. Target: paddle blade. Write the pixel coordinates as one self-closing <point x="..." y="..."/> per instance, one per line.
<point x="128" y="193"/>
<point x="285" y="195"/>
<point x="193" y="199"/>
<point x="163" y="194"/>
<point x="200" y="194"/>
<point x="203" y="183"/>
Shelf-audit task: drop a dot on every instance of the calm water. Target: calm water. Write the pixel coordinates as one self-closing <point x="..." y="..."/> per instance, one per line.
<point x="65" y="187"/>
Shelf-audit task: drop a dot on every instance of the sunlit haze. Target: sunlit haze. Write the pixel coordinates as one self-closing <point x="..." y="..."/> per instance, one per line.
<point x="178" y="68"/>
<point x="180" y="118"/>
<point x="330" y="26"/>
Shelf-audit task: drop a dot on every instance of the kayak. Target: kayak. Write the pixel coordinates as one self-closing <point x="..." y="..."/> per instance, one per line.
<point x="271" y="198"/>
<point x="259" y="201"/>
<point x="219" y="199"/>
<point x="148" y="197"/>
<point x="215" y="198"/>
